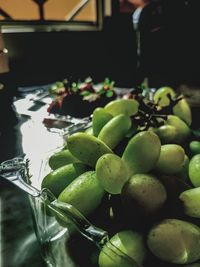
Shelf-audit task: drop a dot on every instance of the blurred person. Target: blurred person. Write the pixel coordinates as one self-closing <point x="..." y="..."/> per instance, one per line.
<point x="129" y="6"/>
<point x="139" y="3"/>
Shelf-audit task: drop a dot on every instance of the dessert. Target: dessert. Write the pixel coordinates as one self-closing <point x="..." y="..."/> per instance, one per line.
<point x="79" y="99"/>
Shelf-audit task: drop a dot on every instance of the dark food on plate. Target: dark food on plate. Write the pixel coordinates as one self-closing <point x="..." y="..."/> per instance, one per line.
<point x="79" y="99"/>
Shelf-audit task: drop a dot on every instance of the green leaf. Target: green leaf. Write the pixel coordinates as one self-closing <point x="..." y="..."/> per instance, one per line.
<point x="88" y="80"/>
<point x="92" y="97"/>
<point x="52" y="88"/>
<point x="109" y="93"/>
<point x="145" y="92"/>
<point x="74" y="87"/>
<point x="107" y="81"/>
<point x="101" y="92"/>
<point x="59" y="84"/>
<point x="112" y="84"/>
<point x="85" y="93"/>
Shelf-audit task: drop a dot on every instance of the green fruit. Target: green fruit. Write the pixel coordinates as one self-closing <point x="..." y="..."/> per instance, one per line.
<point x="175" y="241"/>
<point x="142" y="152"/>
<point x="194" y="170"/>
<point x="87" y="148"/>
<point x="99" y="119"/>
<point x="195" y="147"/>
<point x="161" y="96"/>
<point x="185" y="169"/>
<point x="183" y="131"/>
<point x="61" y="158"/>
<point x="191" y="200"/>
<point x="167" y="133"/>
<point x="89" y="131"/>
<point x="143" y="194"/>
<point x="171" y="159"/>
<point x="115" y="130"/>
<point x="122" y="106"/>
<point x="153" y="129"/>
<point x="84" y="193"/>
<point x="112" y="173"/>
<point x="183" y="111"/>
<point x="130" y="243"/>
<point x="57" y="180"/>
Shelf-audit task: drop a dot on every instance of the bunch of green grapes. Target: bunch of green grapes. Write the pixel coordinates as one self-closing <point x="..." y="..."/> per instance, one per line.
<point x="136" y="182"/>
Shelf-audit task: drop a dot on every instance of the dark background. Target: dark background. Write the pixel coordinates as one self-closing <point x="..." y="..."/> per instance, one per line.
<point x="170" y="49"/>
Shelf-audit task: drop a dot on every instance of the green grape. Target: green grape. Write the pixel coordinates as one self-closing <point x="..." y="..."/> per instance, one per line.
<point x="161" y="96"/>
<point x="99" y="118"/>
<point x="122" y="106"/>
<point x="112" y="173"/>
<point x="130" y="243"/>
<point x="115" y="130"/>
<point x="142" y="152"/>
<point x="89" y="131"/>
<point x="195" y="147"/>
<point x="191" y="200"/>
<point x="143" y="195"/>
<point x="175" y="241"/>
<point x="57" y="180"/>
<point x="61" y="158"/>
<point x="194" y="170"/>
<point x="84" y="193"/>
<point x="183" y="111"/>
<point x="87" y="148"/>
<point x="171" y="159"/>
<point x="183" y="131"/>
<point x="167" y="133"/>
<point x="184" y="173"/>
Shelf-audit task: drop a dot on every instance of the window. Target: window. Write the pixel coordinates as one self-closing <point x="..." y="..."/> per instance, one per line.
<point x="31" y="15"/>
